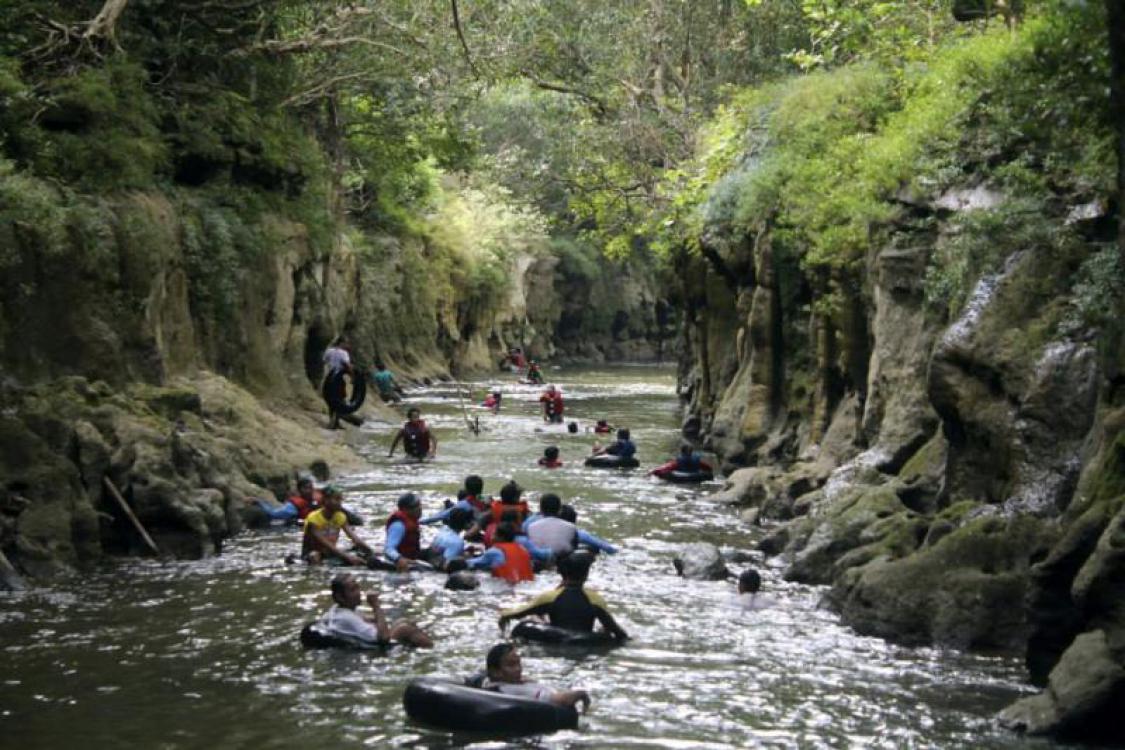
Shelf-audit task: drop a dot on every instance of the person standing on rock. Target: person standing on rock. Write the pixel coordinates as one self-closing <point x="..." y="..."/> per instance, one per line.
<point x="337" y="360"/>
<point x="322" y="532"/>
<point x="416" y="438"/>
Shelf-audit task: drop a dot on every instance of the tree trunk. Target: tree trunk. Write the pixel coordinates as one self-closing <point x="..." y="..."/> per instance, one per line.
<point x="104" y="24"/>
<point x="1115" y="12"/>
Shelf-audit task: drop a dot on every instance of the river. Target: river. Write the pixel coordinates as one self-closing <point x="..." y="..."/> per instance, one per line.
<point x="203" y="654"/>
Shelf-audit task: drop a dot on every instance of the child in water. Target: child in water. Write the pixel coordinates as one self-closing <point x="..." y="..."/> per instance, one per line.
<point x="493" y="402"/>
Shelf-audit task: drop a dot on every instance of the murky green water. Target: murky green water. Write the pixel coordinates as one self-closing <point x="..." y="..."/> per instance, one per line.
<point x="204" y="654"/>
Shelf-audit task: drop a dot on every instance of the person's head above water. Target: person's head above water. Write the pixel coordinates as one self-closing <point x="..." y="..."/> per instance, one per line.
<point x="410" y="504"/>
<point x="550" y="504"/>
<point x="551" y="452"/>
<point x="346" y="591"/>
<point x="568" y="513"/>
<point x="305" y="485"/>
<point x="333" y="498"/>
<point x="503" y="664"/>
<point x="510" y="493"/>
<point x="413" y="414"/>
<point x="623" y="433"/>
<point x="474" y="484"/>
<point x="459" y="519"/>
<point x="575" y="568"/>
<point x="551" y="389"/>
<point x="572" y="427"/>
<point x="749" y="582"/>
<point x="380" y="366"/>
<point x="686" y="449"/>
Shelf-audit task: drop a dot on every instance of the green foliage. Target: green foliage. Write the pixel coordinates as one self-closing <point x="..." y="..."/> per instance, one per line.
<point x="1099" y="292"/>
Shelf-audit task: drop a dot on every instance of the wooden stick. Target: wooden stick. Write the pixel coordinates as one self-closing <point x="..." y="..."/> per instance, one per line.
<point x="129" y="512"/>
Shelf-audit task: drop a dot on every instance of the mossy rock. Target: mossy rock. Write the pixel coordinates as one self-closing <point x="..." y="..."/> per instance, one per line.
<point x="968" y="590"/>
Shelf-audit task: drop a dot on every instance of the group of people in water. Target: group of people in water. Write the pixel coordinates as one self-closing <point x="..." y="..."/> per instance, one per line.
<point x="504" y="537"/>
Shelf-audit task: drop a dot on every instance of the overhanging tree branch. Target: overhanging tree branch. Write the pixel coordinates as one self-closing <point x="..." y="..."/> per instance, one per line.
<point x="461" y="36"/>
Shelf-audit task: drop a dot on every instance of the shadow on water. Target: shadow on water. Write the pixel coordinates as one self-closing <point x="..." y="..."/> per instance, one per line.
<point x="204" y="653"/>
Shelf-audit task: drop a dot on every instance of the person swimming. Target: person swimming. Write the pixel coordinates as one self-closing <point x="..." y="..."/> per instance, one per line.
<point x="550" y="459"/>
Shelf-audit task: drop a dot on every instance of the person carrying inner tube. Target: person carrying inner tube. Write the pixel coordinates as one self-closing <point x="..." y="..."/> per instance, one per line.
<point x="688" y="461"/>
<point x="506" y="558"/>
<point x="344" y="623"/>
<point x="551" y="532"/>
<point x="504" y="674"/>
<point x="552" y="401"/>
<point x="417" y="440"/>
<point x="571" y="605"/>
<point x="623" y="446"/>
<point x="337" y="359"/>
<point x="550" y="459"/>
<point x="322" y="532"/>
<point x="297" y="506"/>
<point x="404" y="540"/>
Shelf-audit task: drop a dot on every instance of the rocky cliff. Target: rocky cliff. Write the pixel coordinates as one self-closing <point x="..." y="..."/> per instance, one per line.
<point x="933" y="429"/>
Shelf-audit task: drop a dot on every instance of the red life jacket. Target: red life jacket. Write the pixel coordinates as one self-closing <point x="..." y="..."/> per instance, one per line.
<point x="479" y="505"/>
<point x="411" y="544"/>
<point x="499" y="509"/>
<point x="303" y="506"/>
<point x="416" y="439"/>
<point x="550" y="463"/>
<point x="517" y="563"/>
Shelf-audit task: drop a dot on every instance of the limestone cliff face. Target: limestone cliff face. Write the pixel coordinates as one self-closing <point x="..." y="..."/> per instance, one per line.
<point x="955" y="481"/>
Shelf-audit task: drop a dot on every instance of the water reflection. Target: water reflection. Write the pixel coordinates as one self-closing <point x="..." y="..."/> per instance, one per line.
<point x="204" y="654"/>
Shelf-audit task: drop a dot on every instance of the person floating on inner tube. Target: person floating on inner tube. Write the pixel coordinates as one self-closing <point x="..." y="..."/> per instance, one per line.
<point x="534" y="374"/>
<point x="687" y="461"/>
<point x="504" y="674"/>
<point x="337" y="358"/>
<point x="344" y="623"/>
<point x="506" y="558"/>
<point x="417" y="439"/>
<point x="571" y="605"/>
<point x="297" y="506"/>
<point x="404" y="541"/>
<point x="322" y="532"/>
<point x="603" y="427"/>
<point x="550" y="459"/>
<point x="623" y="446"/>
<point x="384" y="382"/>
<point x="492" y="401"/>
<point x="552" y="401"/>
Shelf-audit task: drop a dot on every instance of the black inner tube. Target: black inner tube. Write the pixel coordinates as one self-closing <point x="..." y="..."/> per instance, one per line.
<point x="687" y="477"/>
<point x="333" y="392"/>
<point x="540" y="632"/>
<point x="610" y="461"/>
<point x="451" y="705"/>
<point x="313" y="637"/>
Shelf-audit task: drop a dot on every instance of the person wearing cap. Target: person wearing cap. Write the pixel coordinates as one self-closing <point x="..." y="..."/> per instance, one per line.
<point x="570" y="605"/>
<point x="322" y="532"/>
<point x="404" y="540"/>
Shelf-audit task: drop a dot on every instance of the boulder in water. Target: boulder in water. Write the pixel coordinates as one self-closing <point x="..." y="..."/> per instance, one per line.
<point x="462" y="580"/>
<point x="701" y="562"/>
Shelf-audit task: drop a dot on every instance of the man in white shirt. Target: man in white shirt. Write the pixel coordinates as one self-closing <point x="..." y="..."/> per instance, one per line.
<point x="548" y="531"/>
<point x="337" y="360"/>
<point x="505" y="675"/>
<point x="345" y="624"/>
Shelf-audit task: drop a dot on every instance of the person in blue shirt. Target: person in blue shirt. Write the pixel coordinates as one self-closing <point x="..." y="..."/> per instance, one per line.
<point x="623" y="446"/>
<point x="448" y="547"/>
<point x="384" y="382"/>
<point x="404" y="541"/>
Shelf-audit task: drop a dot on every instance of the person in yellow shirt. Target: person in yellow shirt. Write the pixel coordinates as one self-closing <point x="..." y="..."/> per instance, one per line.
<point x="322" y="532"/>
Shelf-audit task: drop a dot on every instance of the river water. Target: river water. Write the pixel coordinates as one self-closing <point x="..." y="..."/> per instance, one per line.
<point x="203" y="654"/>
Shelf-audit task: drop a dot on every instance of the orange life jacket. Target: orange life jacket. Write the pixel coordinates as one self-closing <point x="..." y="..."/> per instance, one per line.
<point x="517" y="563"/>
<point x="500" y="508"/>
